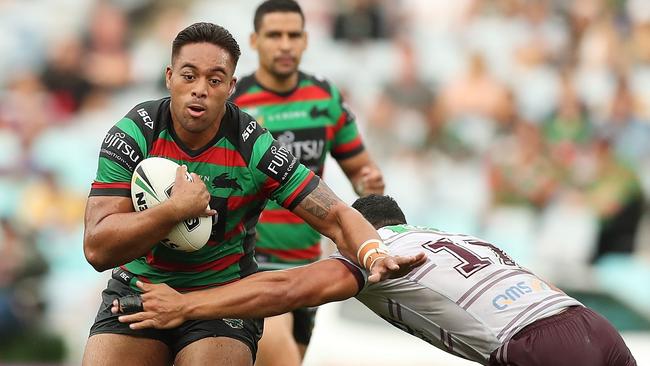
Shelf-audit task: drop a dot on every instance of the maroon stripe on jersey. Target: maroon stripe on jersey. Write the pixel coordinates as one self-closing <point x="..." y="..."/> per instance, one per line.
<point x="419" y="272"/>
<point x="489" y="285"/>
<point x="340" y="122"/>
<point x="445" y="337"/>
<point x="349" y="146"/>
<point x="217" y="265"/>
<point x="293" y="254"/>
<point x="476" y="285"/>
<point x="280" y="217"/>
<point x="237" y="202"/>
<point x="214" y="155"/>
<point x="114" y="185"/>
<point x="234" y="232"/>
<point x="264" y="97"/>
<point x="289" y="201"/>
<point x="270" y="184"/>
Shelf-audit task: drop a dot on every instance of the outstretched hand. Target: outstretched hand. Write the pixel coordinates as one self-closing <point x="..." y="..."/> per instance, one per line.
<point x="394" y="267"/>
<point x="163" y="308"/>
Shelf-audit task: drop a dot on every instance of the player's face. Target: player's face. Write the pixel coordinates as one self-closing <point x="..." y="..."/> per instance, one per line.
<point x="200" y="80"/>
<point x="280" y="42"/>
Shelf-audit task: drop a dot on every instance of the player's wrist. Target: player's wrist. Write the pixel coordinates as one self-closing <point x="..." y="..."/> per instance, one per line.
<point x="370" y="251"/>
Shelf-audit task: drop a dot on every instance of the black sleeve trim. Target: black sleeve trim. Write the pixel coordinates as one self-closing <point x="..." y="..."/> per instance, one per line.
<point x="349" y="154"/>
<point x="122" y="192"/>
<point x="313" y="183"/>
<point x="356" y="272"/>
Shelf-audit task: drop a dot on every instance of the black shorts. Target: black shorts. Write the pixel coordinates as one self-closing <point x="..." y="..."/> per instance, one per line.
<point x="248" y="331"/>
<point x="577" y="336"/>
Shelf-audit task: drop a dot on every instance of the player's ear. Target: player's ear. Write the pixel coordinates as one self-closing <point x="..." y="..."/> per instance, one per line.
<point x="233" y="84"/>
<point x="252" y="40"/>
<point x="168" y="77"/>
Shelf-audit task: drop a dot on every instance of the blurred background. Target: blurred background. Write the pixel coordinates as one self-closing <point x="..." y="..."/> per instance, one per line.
<point x="525" y="122"/>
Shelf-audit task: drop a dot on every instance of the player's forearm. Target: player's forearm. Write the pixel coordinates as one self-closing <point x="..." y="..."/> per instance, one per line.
<point x="324" y="211"/>
<point x="352" y="231"/>
<point x="121" y="237"/>
<point x="261" y="295"/>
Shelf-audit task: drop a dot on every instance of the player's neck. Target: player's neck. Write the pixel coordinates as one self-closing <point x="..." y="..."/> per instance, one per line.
<point x="279" y="85"/>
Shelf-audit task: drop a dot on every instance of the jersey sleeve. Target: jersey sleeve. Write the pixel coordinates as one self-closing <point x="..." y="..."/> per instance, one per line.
<point x="123" y="147"/>
<point x="360" y="274"/>
<point x="346" y="142"/>
<point x="283" y="178"/>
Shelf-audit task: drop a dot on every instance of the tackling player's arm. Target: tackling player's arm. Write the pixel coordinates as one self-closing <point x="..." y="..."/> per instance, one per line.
<point x="260" y="295"/>
<point x="114" y="234"/>
<point x="363" y="173"/>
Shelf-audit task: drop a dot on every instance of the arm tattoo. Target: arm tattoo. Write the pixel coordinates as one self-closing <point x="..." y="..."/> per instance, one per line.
<point x="320" y="201"/>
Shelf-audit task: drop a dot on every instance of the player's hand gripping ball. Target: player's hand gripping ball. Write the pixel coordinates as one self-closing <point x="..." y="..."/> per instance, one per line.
<point x="152" y="184"/>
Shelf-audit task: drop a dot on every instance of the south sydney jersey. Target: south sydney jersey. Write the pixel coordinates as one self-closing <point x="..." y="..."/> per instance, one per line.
<point x="242" y="167"/>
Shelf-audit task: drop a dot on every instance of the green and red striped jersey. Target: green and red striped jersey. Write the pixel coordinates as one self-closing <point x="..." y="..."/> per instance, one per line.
<point x="242" y="167"/>
<point x="310" y="121"/>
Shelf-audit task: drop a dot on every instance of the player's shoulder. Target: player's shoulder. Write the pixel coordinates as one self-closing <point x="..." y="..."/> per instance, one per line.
<point x="320" y="82"/>
<point x="151" y="114"/>
<point x="241" y="129"/>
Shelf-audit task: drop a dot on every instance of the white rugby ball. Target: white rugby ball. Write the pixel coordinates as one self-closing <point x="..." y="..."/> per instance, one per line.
<point x="151" y="184"/>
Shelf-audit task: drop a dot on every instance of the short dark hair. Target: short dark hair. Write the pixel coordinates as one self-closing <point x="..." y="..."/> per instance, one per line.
<point x="208" y="33"/>
<point x="276" y="6"/>
<point x="380" y="211"/>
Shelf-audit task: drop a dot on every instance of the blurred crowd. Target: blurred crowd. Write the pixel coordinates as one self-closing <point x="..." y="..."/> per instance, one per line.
<point x="525" y="122"/>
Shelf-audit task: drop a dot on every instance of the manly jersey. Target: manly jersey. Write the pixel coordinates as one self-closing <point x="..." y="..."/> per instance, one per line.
<point x="467" y="299"/>
<point x="310" y="121"/>
<point x="241" y="166"/>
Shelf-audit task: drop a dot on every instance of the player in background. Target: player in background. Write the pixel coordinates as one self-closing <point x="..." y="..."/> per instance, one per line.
<point x="469" y="299"/>
<point x="307" y="116"/>
<point x="236" y="165"/>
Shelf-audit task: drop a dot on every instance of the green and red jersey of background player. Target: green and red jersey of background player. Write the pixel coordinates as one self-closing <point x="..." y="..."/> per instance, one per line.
<point x="310" y="121"/>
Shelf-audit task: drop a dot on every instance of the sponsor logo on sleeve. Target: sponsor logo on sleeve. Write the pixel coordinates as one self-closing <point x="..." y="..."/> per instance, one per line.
<point x="250" y="128"/>
<point x="306" y="144"/>
<point x="278" y="163"/>
<point x="145" y="118"/>
<point x="121" y="148"/>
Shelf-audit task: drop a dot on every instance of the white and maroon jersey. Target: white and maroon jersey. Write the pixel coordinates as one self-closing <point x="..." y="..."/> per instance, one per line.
<point x="467" y="299"/>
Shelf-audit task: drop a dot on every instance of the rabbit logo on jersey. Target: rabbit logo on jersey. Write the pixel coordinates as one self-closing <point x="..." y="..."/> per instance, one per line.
<point x="513" y="293"/>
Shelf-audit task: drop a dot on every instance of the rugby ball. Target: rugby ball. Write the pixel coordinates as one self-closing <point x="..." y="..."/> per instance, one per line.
<point x="151" y="184"/>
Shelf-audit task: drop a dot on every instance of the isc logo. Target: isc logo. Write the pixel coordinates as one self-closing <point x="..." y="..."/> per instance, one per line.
<point x="145" y="118"/>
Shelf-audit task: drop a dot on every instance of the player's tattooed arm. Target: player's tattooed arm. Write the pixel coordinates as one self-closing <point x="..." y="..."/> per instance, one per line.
<point x="327" y="213"/>
<point x="320" y="201"/>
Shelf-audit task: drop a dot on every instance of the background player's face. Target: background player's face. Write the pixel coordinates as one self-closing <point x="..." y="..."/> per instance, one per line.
<point x="280" y="42"/>
<point x="199" y="80"/>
